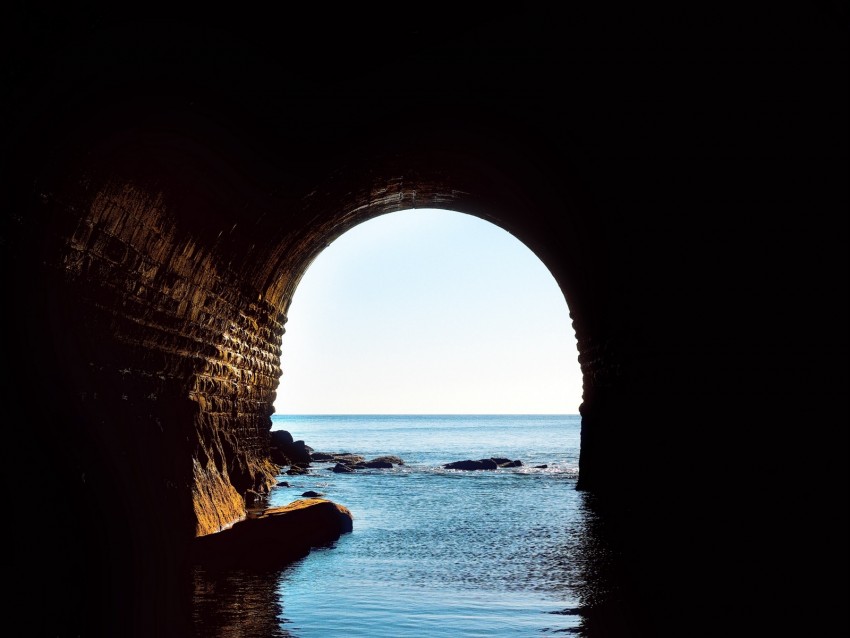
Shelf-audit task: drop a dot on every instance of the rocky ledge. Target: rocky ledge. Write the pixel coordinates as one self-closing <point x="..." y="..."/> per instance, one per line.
<point x="275" y="537"/>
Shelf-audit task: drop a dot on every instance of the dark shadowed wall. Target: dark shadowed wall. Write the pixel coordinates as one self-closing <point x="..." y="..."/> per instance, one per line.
<point x="682" y="174"/>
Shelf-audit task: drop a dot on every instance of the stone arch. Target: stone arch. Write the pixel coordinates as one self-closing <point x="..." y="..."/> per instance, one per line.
<point x="174" y="272"/>
<point x="681" y="175"/>
<point x="334" y="213"/>
<point x="508" y="320"/>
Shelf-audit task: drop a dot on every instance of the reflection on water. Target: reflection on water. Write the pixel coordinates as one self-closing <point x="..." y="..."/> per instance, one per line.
<point x="609" y="606"/>
<point x="236" y="604"/>
<point x="438" y="553"/>
<point x="583" y="567"/>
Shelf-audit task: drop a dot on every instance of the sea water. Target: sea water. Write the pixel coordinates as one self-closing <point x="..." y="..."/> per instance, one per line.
<point x="433" y="552"/>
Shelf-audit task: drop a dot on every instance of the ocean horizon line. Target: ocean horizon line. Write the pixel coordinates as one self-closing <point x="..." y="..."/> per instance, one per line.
<point x="426" y="414"/>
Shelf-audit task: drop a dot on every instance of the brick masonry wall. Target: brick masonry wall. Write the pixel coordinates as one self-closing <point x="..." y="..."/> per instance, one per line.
<point x="168" y="324"/>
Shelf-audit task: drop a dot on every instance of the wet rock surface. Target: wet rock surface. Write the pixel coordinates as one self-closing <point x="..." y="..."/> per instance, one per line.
<point x="275" y="537"/>
<point x="492" y="463"/>
<point x="346" y="462"/>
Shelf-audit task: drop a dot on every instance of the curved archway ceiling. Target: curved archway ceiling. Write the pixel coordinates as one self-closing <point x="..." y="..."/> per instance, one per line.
<point x="683" y="177"/>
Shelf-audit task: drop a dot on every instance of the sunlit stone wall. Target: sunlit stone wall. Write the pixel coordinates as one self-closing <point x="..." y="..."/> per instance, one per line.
<point x="181" y="360"/>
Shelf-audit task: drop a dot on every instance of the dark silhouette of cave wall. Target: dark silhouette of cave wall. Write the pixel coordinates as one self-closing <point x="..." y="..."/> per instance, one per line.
<point x="682" y="176"/>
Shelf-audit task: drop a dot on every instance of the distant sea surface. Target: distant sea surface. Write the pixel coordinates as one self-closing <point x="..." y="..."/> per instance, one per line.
<point x="434" y="552"/>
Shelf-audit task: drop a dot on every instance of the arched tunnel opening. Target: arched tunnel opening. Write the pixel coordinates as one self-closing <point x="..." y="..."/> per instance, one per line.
<point x="683" y="177"/>
<point x="145" y="291"/>
<point x="425" y="337"/>
<point x="428" y="311"/>
<point x="168" y="324"/>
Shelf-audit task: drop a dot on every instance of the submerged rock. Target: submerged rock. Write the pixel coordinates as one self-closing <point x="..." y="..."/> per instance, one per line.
<point x="392" y="460"/>
<point x="482" y="464"/>
<point x="276" y="537"/>
<point x="377" y="464"/>
<point x="516" y="463"/>
<point x="338" y="457"/>
<point x="347" y="465"/>
<point x="312" y="494"/>
<point x="469" y="464"/>
<point x="357" y="462"/>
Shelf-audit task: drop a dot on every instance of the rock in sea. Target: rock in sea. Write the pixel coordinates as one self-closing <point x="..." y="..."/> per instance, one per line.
<point x="482" y="464"/>
<point x="276" y="537"/>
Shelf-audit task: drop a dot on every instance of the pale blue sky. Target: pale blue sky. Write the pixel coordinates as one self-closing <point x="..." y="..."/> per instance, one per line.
<point x="428" y="311"/>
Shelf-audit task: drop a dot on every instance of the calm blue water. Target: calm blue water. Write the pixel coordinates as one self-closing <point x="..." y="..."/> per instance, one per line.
<point x="434" y="552"/>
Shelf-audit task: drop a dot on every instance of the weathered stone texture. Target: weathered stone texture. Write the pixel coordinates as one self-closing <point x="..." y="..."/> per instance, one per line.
<point x="171" y="320"/>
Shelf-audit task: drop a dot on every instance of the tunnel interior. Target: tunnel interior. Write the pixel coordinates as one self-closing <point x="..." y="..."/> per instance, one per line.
<point x="167" y="187"/>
